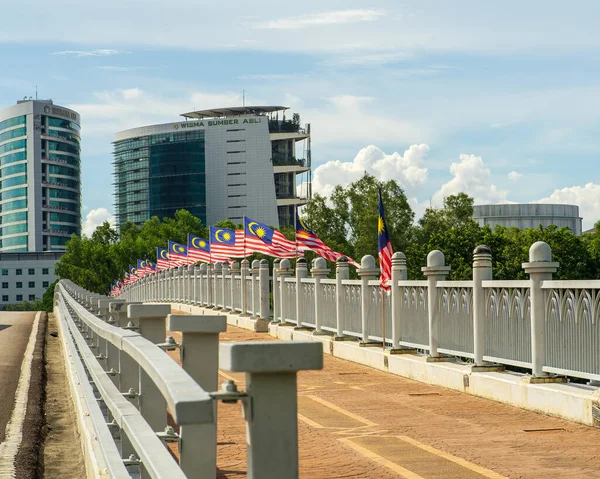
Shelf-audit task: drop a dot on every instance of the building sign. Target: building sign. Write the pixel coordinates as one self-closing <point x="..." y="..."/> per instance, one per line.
<point x="63" y="112"/>
<point x="207" y="123"/>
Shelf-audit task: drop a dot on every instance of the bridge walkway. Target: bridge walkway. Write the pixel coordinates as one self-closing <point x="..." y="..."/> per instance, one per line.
<point x="355" y="421"/>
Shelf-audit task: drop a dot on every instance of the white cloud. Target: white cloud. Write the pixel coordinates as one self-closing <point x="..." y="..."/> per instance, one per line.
<point x="103" y="52"/>
<point x="407" y="169"/>
<point x="115" y="68"/>
<point x="514" y="176"/>
<point x="324" y="18"/>
<point x="471" y="176"/>
<point x="96" y="218"/>
<point x="586" y="197"/>
<point x="352" y="59"/>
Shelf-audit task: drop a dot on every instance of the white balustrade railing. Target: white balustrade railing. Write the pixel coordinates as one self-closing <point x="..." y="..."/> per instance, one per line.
<point x="127" y="383"/>
<point x="544" y="325"/>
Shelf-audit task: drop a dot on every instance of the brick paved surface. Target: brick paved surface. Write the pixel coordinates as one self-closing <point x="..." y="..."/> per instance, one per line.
<point x="359" y="422"/>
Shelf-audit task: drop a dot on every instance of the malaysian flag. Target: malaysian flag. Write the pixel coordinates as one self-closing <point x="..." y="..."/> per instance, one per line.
<point x="150" y="267"/>
<point x="385" y="248"/>
<point x="126" y="279"/>
<point x="141" y="268"/>
<point x="262" y="239"/>
<point x="162" y="259"/>
<point x="178" y="254"/>
<point x="307" y="240"/>
<point x="133" y="274"/>
<point x="226" y="243"/>
<point x="198" y="249"/>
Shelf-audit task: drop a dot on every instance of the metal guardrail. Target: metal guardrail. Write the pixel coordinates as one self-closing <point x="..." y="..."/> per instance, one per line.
<point x="128" y="381"/>
<point x="550" y="327"/>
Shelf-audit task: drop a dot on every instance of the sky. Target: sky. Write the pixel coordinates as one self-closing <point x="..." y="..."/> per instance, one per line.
<point x="500" y="100"/>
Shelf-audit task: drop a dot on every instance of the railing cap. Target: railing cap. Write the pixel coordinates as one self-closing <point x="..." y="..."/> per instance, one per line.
<point x="197" y="324"/>
<point x="482" y="249"/>
<point x="271" y="356"/>
<point x="540" y="251"/>
<point x="148" y="310"/>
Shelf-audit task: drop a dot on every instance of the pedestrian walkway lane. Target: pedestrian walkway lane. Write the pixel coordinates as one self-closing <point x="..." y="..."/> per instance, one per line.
<point x="356" y="422"/>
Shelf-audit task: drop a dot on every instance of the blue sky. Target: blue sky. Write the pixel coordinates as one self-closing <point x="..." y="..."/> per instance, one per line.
<point x="500" y="100"/>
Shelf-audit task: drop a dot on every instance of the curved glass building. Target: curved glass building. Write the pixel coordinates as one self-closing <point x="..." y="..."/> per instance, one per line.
<point x="40" y="180"/>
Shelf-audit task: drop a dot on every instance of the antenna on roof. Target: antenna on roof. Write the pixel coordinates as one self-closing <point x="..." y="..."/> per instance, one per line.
<point x="243" y="97"/>
<point x="36" y="93"/>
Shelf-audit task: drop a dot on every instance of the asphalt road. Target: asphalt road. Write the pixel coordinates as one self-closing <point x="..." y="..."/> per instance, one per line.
<point x="15" y="329"/>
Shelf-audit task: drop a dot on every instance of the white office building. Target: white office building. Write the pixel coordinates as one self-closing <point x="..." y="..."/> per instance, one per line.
<point x="25" y="276"/>
<point x="40" y="187"/>
<point x="218" y="164"/>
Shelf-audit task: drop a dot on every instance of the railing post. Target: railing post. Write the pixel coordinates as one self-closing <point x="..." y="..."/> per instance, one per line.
<point x="285" y="271"/>
<point x="399" y="273"/>
<point x="218" y="272"/>
<point x="201" y="286"/>
<point x="210" y="297"/>
<point x="271" y="430"/>
<point x="244" y="298"/>
<point x="301" y="272"/>
<point x="482" y="271"/>
<point x="276" y="312"/>
<point x="235" y="269"/>
<point x="319" y="271"/>
<point x="224" y="273"/>
<point x="194" y="284"/>
<point x="436" y="270"/>
<point x="539" y="268"/>
<point x="342" y="272"/>
<point x="152" y="326"/>
<point x="200" y="359"/>
<point x="255" y="288"/>
<point x="263" y="283"/>
<point x="180" y="284"/>
<point x="368" y="271"/>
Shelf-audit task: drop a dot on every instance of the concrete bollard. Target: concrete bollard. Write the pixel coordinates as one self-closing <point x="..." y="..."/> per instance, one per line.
<point x="255" y="288"/>
<point x="285" y="271"/>
<point x="244" y="275"/>
<point x="263" y="283"/>
<point x="301" y="273"/>
<point x="319" y="271"/>
<point x="224" y="289"/>
<point x="482" y="271"/>
<point x="342" y="272"/>
<point x="275" y="289"/>
<point x="436" y="270"/>
<point x="235" y="270"/>
<point x="399" y="273"/>
<point x="367" y="272"/>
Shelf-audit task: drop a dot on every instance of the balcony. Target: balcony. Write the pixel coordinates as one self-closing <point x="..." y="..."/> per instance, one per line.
<point x="287" y="160"/>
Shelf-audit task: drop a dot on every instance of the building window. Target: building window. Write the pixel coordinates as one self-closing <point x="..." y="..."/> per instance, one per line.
<point x="19" y="272"/>
<point x="45" y="284"/>
<point x="32" y="297"/>
<point x="5" y="298"/>
<point x="5" y="285"/>
<point x="19" y="297"/>
<point x="32" y="284"/>
<point x="19" y="284"/>
<point x="31" y="271"/>
<point x="4" y="272"/>
<point x="44" y="270"/>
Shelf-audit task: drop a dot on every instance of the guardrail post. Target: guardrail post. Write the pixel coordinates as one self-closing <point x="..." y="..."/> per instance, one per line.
<point x="200" y="359"/>
<point x="319" y="271"/>
<point x="210" y="294"/>
<point x="224" y="289"/>
<point x="263" y="284"/>
<point x="244" y="288"/>
<point x="367" y="272"/>
<point x="152" y="326"/>
<point x="271" y="430"/>
<point x="301" y="272"/>
<point x="482" y="271"/>
<point x="399" y="273"/>
<point x="235" y="270"/>
<point x="201" y="287"/>
<point x="539" y="268"/>
<point x="218" y="272"/>
<point x="285" y="271"/>
<point x="436" y="270"/>
<point x="255" y="288"/>
<point x="342" y="272"/>
<point x="275" y="290"/>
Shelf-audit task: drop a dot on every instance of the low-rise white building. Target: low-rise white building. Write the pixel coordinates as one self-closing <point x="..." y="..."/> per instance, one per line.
<point x="25" y="276"/>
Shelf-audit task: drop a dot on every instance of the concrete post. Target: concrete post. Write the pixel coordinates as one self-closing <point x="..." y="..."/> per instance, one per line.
<point x="224" y="289"/>
<point x="181" y="284"/>
<point x="275" y="290"/>
<point x="263" y="283"/>
<point x="482" y="271"/>
<point x="103" y="308"/>
<point x="244" y="289"/>
<point x="285" y="271"/>
<point x="367" y="272"/>
<point x="342" y="272"/>
<point x="399" y="273"/>
<point x="217" y="273"/>
<point x="301" y="272"/>
<point x="436" y="270"/>
<point x="200" y="359"/>
<point x="539" y="268"/>
<point x="201" y="287"/>
<point x="194" y="284"/>
<point x="271" y="430"/>
<point x="235" y="270"/>
<point x="210" y="297"/>
<point x="319" y="271"/>
<point x="255" y="289"/>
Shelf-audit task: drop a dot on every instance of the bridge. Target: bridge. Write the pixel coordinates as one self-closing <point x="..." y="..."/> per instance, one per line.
<point x="239" y="371"/>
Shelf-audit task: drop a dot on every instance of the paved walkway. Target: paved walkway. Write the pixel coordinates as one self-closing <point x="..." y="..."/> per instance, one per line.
<point x="358" y="422"/>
